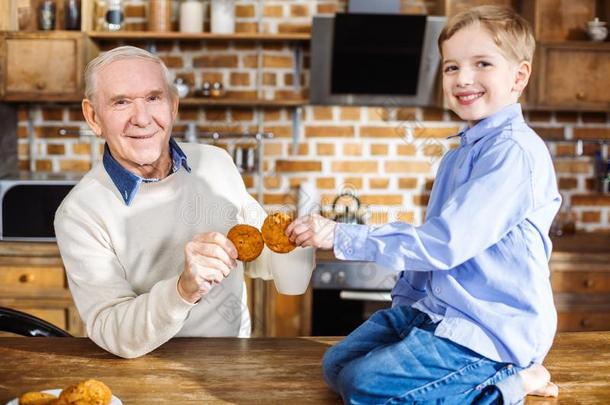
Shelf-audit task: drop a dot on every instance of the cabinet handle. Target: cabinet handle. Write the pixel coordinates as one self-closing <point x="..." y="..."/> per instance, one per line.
<point x="588" y="283"/>
<point x="26" y="278"/>
<point x="585" y="323"/>
<point x="41" y="85"/>
<point x="581" y="95"/>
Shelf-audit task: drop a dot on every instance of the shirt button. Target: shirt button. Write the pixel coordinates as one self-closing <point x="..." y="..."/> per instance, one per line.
<point x="437" y="290"/>
<point x="350" y="251"/>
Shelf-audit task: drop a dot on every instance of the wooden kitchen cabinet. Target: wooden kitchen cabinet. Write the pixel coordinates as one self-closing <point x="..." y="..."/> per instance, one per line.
<point x="571" y="76"/>
<point x="32" y="280"/>
<point x="580" y="276"/>
<point x="41" y="66"/>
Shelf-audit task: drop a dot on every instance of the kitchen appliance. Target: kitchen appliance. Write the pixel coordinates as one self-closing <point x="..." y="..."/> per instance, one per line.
<point x="347" y="293"/>
<point x="375" y="59"/>
<point x="351" y="212"/>
<point x="28" y="202"/>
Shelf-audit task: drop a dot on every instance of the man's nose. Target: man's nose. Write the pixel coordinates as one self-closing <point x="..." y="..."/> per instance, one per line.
<point x="141" y="116"/>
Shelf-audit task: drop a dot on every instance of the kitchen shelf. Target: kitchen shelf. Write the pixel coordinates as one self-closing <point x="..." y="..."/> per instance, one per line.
<point x="203" y="36"/>
<point x="242" y="102"/>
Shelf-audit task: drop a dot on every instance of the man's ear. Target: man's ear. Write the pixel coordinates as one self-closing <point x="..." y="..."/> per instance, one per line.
<point x="175" y="101"/>
<point x="524" y="70"/>
<point x="91" y="116"/>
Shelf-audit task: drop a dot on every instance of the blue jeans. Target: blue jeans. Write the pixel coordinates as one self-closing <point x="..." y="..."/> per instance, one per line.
<point x="394" y="358"/>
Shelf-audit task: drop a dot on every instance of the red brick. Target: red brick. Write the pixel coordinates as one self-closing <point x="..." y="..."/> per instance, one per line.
<point x="406" y="216"/>
<point x="401" y="166"/>
<point x="291" y="166"/>
<point x="350" y="113"/>
<point x="278" y="199"/>
<point x="590" y="200"/>
<point x="295" y="182"/>
<point x="273" y="11"/>
<point x="566" y="183"/>
<point x="53" y="114"/>
<point x="172" y="61"/>
<point x="269" y="79"/>
<point x="406" y="150"/>
<point x="381" y="132"/>
<point x="56" y="149"/>
<point x="248" y="180"/>
<point x="406" y="114"/>
<point x="325" y="149"/>
<point x="592" y="133"/>
<point x="74" y="165"/>
<point x="382" y="199"/>
<point x="377" y="218"/>
<point x="272" y="149"/>
<point x="329" y="131"/>
<point x="242" y="114"/>
<point x="215" y="61"/>
<point x="407" y="183"/>
<point x="239" y="79"/>
<point x="299" y="10"/>
<point x="591" y="216"/>
<point x="550" y="133"/>
<point x="359" y="166"/>
<point x="279" y="131"/>
<point x="539" y="116"/>
<point x="245" y="11"/>
<point x="564" y="116"/>
<point x="81" y="148"/>
<point x="322" y="113"/>
<point x="211" y="77"/>
<point x="351" y="183"/>
<point x="215" y="114"/>
<point x="272" y="182"/>
<point x="432" y="132"/>
<point x="432" y="114"/>
<point x="421" y="200"/>
<point x="379" y="183"/>
<point x="326" y="8"/>
<point x="594" y="117"/>
<point x="276" y="61"/>
<point x="325" y="182"/>
<point x="572" y="166"/>
<point x="352" y="149"/>
<point x="249" y="27"/>
<point x="378" y="149"/>
<point x="565" y="150"/>
<point x="292" y="28"/>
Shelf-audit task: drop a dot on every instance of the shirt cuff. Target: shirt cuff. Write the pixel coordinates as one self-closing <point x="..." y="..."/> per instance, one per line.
<point x="511" y="389"/>
<point x="175" y="306"/>
<point x="350" y="242"/>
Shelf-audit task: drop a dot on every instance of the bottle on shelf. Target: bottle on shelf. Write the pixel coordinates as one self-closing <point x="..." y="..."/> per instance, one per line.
<point x="115" y="16"/>
<point x="46" y="15"/>
<point x="72" y="14"/>
<point x="191" y="16"/>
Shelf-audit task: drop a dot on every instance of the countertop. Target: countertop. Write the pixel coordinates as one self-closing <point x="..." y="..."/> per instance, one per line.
<point x="245" y="371"/>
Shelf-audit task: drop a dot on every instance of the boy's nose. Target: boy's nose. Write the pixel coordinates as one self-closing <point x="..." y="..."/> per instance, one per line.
<point x="141" y="116"/>
<point x="465" y="77"/>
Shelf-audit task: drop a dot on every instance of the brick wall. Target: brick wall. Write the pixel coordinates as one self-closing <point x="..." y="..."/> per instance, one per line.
<point x="387" y="155"/>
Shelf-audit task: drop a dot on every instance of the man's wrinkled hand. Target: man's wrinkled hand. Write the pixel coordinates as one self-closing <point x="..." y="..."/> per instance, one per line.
<point x="312" y="230"/>
<point x="209" y="258"/>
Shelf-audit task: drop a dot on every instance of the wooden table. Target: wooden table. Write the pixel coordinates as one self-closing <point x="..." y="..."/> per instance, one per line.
<point x="245" y="371"/>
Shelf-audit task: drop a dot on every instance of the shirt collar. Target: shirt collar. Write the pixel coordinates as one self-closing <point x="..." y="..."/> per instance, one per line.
<point x="499" y="119"/>
<point x="128" y="183"/>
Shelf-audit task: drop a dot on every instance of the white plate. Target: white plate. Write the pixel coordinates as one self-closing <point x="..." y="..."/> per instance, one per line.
<point x="56" y="392"/>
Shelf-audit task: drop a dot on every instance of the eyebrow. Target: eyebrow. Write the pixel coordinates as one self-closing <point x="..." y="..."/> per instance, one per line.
<point x="481" y="56"/>
<point x="155" y="92"/>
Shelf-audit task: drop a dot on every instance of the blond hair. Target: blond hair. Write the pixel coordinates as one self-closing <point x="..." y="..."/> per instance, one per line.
<point x="510" y="32"/>
<point x="121" y="53"/>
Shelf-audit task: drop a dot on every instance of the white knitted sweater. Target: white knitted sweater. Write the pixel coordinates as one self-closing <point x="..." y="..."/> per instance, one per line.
<point x="123" y="262"/>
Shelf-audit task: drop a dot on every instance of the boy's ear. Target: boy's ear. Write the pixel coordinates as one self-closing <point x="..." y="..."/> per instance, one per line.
<point x="524" y="70"/>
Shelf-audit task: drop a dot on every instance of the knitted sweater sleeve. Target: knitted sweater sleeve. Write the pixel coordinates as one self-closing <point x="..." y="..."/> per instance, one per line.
<point x="117" y="319"/>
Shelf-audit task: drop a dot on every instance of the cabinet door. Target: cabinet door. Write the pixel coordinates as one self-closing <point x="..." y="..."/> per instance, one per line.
<point x="573" y="76"/>
<point x="37" y="66"/>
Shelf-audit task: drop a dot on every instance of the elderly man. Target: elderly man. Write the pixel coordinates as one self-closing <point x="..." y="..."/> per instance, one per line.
<point x="142" y="235"/>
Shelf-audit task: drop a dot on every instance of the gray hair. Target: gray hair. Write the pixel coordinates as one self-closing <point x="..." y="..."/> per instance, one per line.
<point x="121" y="53"/>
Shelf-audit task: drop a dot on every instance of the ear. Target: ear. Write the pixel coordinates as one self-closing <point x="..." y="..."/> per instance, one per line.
<point x="175" y="101"/>
<point x="91" y="116"/>
<point x="522" y="76"/>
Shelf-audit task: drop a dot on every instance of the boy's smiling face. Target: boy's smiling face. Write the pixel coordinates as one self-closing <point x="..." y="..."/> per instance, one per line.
<point x="478" y="80"/>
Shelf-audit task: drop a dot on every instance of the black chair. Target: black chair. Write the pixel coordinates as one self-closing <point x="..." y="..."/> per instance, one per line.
<point x="23" y="324"/>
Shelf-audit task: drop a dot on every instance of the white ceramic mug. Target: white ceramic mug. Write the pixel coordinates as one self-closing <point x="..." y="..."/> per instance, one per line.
<point x="292" y="271"/>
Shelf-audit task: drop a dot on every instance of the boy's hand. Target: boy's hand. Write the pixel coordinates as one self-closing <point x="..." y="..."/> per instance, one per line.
<point x="312" y="230"/>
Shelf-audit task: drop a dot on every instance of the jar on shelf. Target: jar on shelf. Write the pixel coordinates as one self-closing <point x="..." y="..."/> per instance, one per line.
<point x="223" y="16"/>
<point x="191" y="16"/>
<point x="115" y="16"/>
<point x="160" y="15"/>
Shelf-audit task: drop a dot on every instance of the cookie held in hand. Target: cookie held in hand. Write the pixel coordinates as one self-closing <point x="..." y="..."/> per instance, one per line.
<point x="247" y="240"/>
<point x="274" y="232"/>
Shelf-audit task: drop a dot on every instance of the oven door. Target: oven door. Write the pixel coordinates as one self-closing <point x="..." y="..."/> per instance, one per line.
<point x="339" y="312"/>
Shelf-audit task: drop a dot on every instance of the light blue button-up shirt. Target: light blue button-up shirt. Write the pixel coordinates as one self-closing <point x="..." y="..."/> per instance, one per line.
<point x="479" y="263"/>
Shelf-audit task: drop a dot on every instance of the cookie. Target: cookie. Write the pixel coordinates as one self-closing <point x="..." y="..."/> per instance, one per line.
<point x="88" y="392"/>
<point x="36" y="398"/>
<point x="248" y="241"/>
<point x="274" y="235"/>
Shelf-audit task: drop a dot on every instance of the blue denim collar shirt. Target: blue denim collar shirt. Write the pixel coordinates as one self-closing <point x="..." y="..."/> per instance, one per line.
<point x="128" y="183"/>
<point x="479" y="263"/>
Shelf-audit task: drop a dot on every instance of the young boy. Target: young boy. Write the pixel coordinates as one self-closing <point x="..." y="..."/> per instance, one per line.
<point x="472" y="313"/>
